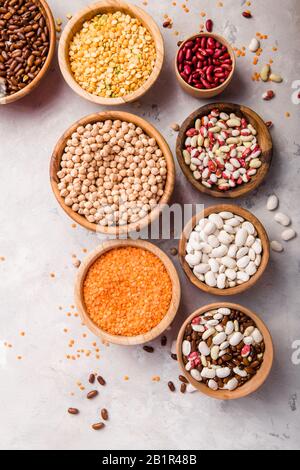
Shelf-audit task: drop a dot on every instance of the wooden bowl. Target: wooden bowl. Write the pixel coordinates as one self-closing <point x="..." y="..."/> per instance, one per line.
<point x="253" y="384"/>
<point x="205" y="94"/>
<point x="52" y="37"/>
<point x="263" y="136"/>
<point x="262" y="234"/>
<point x="127" y="340"/>
<point x="75" y="24"/>
<point x="149" y="130"/>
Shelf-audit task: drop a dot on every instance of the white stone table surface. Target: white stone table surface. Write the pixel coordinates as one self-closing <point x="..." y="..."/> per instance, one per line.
<point x="37" y="239"/>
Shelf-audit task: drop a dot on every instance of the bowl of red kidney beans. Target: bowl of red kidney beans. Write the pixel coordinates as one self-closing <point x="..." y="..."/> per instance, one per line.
<point x="205" y="64"/>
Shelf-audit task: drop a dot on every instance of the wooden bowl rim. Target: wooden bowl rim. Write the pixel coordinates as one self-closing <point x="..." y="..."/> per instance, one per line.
<point x="236" y="210"/>
<point x="266" y="158"/>
<point x="52" y="39"/>
<point x="223" y="85"/>
<point x="152" y="132"/>
<point x="253" y="384"/>
<point x="90" y="11"/>
<point x="158" y="329"/>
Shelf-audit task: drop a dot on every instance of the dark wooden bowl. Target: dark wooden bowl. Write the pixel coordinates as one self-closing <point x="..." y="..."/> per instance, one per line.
<point x="253" y="384"/>
<point x="262" y="234"/>
<point x="263" y="137"/>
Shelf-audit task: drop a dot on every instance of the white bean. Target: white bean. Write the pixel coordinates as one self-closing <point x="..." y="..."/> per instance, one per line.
<point x="219" y="338"/>
<point x="272" y="203"/>
<point x="208" y="373"/>
<point x="212" y="384"/>
<point x="236" y="338"/>
<point x="210" y="279"/>
<point x="193" y="259"/>
<point x="186" y="348"/>
<point x="282" y="219"/>
<point x="288" y="234"/>
<point x="241" y="237"/>
<point x="196" y="375"/>
<point x="223" y="372"/>
<point x="276" y="246"/>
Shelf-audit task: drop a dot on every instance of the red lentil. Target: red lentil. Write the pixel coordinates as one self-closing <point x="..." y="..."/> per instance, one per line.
<point x="127" y="291"/>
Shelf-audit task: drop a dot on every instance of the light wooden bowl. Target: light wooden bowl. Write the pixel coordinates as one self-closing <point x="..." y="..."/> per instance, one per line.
<point x="262" y="234"/>
<point x="253" y="384"/>
<point x="263" y="136"/>
<point x="149" y="130"/>
<point x="205" y="94"/>
<point x="52" y="37"/>
<point x="127" y="340"/>
<point x="75" y="24"/>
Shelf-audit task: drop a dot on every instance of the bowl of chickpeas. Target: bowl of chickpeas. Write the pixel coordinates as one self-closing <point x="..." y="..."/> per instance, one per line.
<point x="112" y="172"/>
<point x="111" y="52"/>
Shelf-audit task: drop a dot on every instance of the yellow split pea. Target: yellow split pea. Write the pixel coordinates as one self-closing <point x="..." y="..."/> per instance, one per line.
<point x="127" y="291"/>
<point x="112" y="55"/>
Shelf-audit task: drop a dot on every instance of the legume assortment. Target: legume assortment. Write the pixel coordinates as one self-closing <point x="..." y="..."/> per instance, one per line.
<point x="24" y="44"/>
<point x="224" y="250"/>
<point x="113" y="55"/>
<point x="223" y="348"/>
<point x="222" y="150"/>
<point x="112" y="173"/>
<point x="127" y="291"/>
<point x="204" y="63"/>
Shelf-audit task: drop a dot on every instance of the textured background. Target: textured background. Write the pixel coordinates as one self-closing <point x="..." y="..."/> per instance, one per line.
<point x="36" y="239"/>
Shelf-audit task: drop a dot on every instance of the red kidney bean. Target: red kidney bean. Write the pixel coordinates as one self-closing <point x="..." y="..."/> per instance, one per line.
<point x="209" y="25"/>
<point x="204" y="63"/>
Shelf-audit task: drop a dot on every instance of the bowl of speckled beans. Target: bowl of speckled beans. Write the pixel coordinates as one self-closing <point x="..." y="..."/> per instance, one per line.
<point x="111" y="53"/>
<point x="225" y="351"/>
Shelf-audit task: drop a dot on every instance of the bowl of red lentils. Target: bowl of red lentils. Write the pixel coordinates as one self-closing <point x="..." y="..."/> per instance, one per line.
<point x="27" y="38"/>
<point x="111" y="53"/>
<point x="127" y="292"/>
<point x="112" y="172"/>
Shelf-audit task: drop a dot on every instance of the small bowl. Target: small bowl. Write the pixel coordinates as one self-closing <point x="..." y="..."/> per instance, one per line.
<point x="152" y="132"/>
<point x="127" y="340"/>
<point x="262" y="234"/>
<point x="205" y="94"/>
<point x="75" y="25"/>
<point x="52" y="37"/>
<point x="253" y="384"/>
<point x="263" y="136"/>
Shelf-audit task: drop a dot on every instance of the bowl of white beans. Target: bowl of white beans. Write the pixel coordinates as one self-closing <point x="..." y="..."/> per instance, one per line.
<point x="112" y="172"/>
<point x="224" y="250"/>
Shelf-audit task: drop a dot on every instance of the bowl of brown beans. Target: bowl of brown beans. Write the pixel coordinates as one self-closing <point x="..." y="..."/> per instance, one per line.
<point x="27" y="44"/>
<point x="112" y="172"/>
<point x="127" y="291"/>
<point x="111" y="52"/>
<point x="225" y="351"/>
<point x="205" y="65"/>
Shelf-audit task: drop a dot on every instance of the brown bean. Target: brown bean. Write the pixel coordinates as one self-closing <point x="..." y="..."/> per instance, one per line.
<point x="171" y="386"/>
<point x="174" y="357"/>
<point x="163" y="340"/>
<point x="101" y="380"/>
<point x="183" y="388"/>
<point x="92" y="394"/>
<point x="73" y="411"/>
<point x="183" y="379"/>
<point x="104" y="414"/>
<point x="92" y="378"/>
<point x="98" y="426"/>
<point x="148" y="349"/>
